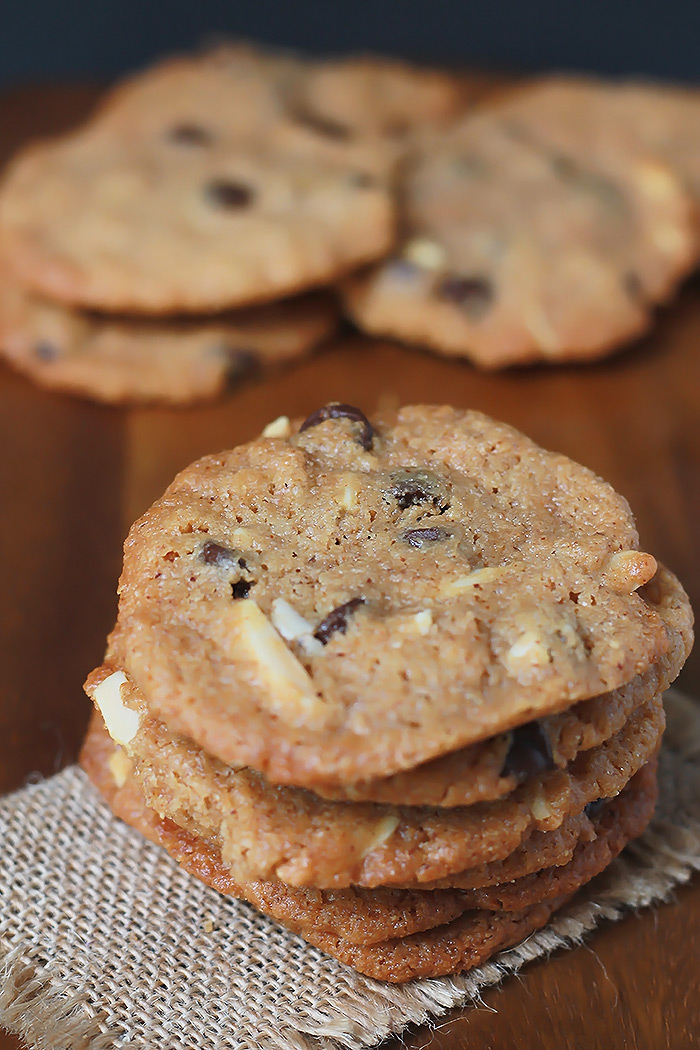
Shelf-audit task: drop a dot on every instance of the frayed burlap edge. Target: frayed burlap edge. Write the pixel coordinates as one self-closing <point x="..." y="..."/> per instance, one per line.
<point x="48" y="1012"/>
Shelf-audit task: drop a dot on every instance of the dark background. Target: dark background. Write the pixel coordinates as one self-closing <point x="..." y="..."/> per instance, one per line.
<point x="42" y="39"/>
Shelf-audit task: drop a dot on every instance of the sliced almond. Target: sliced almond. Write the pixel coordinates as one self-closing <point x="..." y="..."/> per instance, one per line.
<point x="121" y="721"/>
<point x="463" y="583"/>
<point x="289" y="690"/>
<point x="293" y="627"/>
<point x="382" y="832"/>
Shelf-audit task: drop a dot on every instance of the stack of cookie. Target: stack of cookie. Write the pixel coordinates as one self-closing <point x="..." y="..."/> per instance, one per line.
<point x="395" y="682"/>
<point x="205" y="185"/>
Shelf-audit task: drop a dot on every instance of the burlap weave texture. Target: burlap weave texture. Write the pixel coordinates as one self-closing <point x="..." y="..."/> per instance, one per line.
<point x="106" y="943"/>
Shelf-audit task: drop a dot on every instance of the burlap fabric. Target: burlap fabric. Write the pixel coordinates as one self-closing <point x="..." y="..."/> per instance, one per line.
<point x="105" y="943"/>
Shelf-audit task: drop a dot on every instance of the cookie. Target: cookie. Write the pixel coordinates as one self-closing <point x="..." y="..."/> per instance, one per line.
<point x="357" y="916"/>
<point x="517" y="249"/>
<point x="101" y="220"/>
<point x="287" y="834"/>
<point x="368" y="596"/>
<point x="491" y="769"/>
<point x="453" y="948"/>
<point x="120" y="360"/>
<point x="448" y="948"/>
<point x="618" y="820"/>
<point x="216" y="181"/>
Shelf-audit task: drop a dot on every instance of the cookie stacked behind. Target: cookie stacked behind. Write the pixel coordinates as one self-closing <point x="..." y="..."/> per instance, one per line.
<point x="397" y="683"/>
<point x="546" y="227"/>
<point x="204" y="185"/>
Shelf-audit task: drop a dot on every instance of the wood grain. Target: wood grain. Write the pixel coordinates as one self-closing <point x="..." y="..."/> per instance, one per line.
<point x="74" y="475"/>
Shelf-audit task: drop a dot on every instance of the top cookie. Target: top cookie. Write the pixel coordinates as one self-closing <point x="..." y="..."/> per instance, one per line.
<point x="531" y="234"/>
<point x="100" y="220"/>
<point x="346" y="599"/>
<point x="216" y="181"/>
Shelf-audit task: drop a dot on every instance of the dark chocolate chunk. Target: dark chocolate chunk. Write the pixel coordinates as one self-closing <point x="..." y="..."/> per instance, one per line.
<point x="339" y="411"/>
<point x="595" y="808"/>
<point x="241" y="363"/>
<point x="418" y="537"/>
<point x="529" y="753"/>
<point x="46" y="351"/>
<point x="224" y="558"/>
<point x="474" y="295"/>
<point x="215" y="554"/>
<point x="337" y="620"/>
<point x="241" y="588"/>
<point x="411" y="488"/>
<point x="226" y="193"/>
<point x="190" y="135"/>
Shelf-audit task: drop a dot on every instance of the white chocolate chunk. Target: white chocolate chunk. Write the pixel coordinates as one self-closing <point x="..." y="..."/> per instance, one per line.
<point x="529" y="651"/>
<point x="628" y="570"/>
<point x="289" y="688"/>
<point x="278" y="428"/>
<point x="657" y="180"/>
<point x="121" y="721"/>
<point x="423" y="621"/>
<point x="415" y="623"/>
<point x="428" y="255"/>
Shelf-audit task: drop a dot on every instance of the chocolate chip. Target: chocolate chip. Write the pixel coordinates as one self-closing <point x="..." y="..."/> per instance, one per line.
<point x="474" y="295"/>
<point x="241" y="588"/>
<point x="418" y="537"/>
<point x="335" y="410"/>
<point x="595" y="808"/>
<point x="337" y="620"/>
<point x="226" y="193"/>
<point x="403" y="270"/>
<point x="46" y="351"/>
<point x="362" y="180"/>
<point x="632" y="284"/>
<point x="225" y="558"/>
<point x="190" y="135"/>
<point x="241" y="363"/>
<point x="330" y="129"/>
<point x="529" y="753"/>
<point x="215" y="554"/>
<point x="411" y="488"/>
